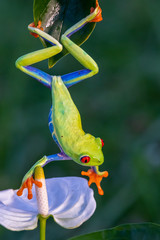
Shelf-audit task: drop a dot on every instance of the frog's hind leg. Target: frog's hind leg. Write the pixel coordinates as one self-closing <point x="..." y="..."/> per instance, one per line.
<point x="24" y="62"/>
<point x="90" y="65"/>
<point x="75" y="77"/>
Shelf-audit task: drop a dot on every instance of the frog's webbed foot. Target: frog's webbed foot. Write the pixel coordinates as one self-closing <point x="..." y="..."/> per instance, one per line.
<point x="95" y="177"/>
<point x="28" y="184"/>
<point x="38" y="26"/>
<point x="98" y="17"/>
<point x="28" y="179"/>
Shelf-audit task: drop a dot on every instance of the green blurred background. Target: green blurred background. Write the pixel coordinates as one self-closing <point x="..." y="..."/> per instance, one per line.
<point x="121" y="105"/>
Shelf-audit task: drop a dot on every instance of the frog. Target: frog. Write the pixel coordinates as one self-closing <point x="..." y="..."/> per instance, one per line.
<point x="64" y="118"/>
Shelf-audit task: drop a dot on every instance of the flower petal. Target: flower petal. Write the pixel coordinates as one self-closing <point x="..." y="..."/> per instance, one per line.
<point x="76" y="200"/>
<point x="71" y="223"/>
<point x="71" y="202"/>
<point x="22" y="204"/>
<point x="17" y="213"/>
<point x="12" y="220"/>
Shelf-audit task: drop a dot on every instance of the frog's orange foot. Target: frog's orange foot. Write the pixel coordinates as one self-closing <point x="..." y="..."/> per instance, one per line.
<point x="94" y="177"/>
<point x="98" y="17"/>
<point x="28" y="184"/>
<point x="38" y="26"/>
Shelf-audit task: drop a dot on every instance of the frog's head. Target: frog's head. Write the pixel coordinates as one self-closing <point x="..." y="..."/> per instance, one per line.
<point x="91" y="152"/>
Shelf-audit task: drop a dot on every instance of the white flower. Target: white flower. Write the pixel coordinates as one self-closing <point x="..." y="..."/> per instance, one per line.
<point x="69" y="200"/>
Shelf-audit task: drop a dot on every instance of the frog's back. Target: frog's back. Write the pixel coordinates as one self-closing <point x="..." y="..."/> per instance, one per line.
<point x="65" y="115"/>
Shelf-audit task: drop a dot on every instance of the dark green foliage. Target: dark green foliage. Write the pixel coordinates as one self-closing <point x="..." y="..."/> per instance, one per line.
<point x="39" y="9"/>
<point x="59" y="15"/>
<point x="121" y="105"/>
<point x="146" y="231"/>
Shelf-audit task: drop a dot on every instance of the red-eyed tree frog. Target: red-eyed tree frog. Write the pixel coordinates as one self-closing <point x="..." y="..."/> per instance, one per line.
<point x="64" y="118"/>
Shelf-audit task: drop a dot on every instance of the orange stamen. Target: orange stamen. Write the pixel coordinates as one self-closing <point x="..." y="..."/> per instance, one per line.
<point x="28" y="184"/>
<point x="98" y="17"/>
<point x="94" y="177"/>
<point x="38" y="26"/>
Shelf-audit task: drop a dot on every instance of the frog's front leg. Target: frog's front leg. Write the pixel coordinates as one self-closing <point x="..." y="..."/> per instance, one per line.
<point x="28" y="179"/>
<point x="95" y="176"/>
<point x="24" y="62"/>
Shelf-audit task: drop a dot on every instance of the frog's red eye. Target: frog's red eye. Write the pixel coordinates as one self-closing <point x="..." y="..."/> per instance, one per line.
<point x="85" y="159"/>
<point x="102" y="142"/>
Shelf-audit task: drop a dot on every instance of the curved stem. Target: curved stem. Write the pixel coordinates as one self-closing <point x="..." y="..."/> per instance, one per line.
<point x="42" y="227"/>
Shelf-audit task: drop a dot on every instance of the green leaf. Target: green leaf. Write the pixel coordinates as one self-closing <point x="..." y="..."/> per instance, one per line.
<point x="59" y="15"/>
<point x="39" y="8"/>
<point x="146" y="231"/>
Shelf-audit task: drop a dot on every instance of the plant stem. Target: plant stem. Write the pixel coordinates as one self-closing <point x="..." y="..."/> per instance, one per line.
<point x="42" y="227"/>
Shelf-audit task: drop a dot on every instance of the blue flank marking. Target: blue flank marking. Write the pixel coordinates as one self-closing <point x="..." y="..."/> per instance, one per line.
<point x="51" y="128"/>
<point x="50" y="123"/>
<point x="47" y="78"/>
<point x="67" y="78"/>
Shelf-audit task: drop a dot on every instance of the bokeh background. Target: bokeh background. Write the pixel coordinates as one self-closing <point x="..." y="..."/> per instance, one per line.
<point x="121" y="105"/>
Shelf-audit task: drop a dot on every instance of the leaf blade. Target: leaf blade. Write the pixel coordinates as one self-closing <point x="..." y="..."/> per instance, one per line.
<point x="59" y="15"/>
<point x="144" y="231"/>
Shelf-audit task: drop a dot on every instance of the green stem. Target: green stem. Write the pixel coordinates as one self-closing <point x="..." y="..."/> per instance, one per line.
<point x="42" y="227"/>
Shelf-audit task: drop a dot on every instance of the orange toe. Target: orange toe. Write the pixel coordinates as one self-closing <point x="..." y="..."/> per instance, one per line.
<point x="28" y="184"/>
<point x="96" y="178"/>
<point x="38" y="26"/>
<point x="98" y="17"/>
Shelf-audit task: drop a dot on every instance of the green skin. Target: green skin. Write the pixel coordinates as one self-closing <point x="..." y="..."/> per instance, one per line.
<point x="72" y="140"/>
<point x="68" y="128"/>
